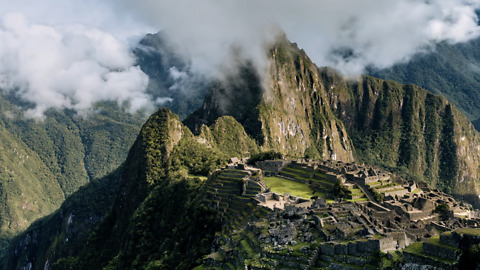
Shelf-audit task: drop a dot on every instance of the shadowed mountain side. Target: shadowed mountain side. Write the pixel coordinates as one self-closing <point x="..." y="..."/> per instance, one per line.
<point x="157" y="191"/>
<point x="45" y="161"/>
<point x="451" y="70"/>
<point x="171" y="83"/>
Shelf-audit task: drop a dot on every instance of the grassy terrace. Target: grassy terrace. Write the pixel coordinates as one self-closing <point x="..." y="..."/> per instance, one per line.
<point x="297" y="174"/>
<point x="388" y="185"/>
<point x="436" y="241"/>
<point x="417" y="249"/>
<point x="290" y="169"/>
<point x="470" y="231"/>
<point x="356" y="191"/>
<point x="379" y="183"/>
<point x="281" y="186"/>
<point x="357" y="200"/>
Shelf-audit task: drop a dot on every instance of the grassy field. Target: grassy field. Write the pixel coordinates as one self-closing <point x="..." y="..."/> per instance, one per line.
<point x="280" y="185"/>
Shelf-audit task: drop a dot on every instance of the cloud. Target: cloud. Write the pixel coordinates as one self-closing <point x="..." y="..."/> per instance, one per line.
<point x="67" y="66"/>
<point x="71" y="54"/>
<point x="345" y="34"/>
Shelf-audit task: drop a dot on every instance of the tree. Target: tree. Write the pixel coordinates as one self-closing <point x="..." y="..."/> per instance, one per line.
<point x="443" y="210"/>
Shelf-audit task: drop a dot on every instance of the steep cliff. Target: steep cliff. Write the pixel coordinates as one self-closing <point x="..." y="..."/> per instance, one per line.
<point x="409" y="130"/>
<point x="291" y="115"/>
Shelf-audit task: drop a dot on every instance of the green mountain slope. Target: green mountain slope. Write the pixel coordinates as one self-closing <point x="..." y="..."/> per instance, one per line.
<point x="451" y="70"/>
<point x="158" y="207"/>
<point x="411" y="131"/>
<point x="43" y="162"/>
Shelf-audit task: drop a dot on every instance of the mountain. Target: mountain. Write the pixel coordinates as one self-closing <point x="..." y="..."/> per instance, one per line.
<point x="158" y="214"/>
<point x="171" y="83"/>
<point x="315" y="112"/>
<point x="43" y="162"/>
<point x="292" y="116"/>
<point x="449" y="70"/>
<point x="158" y="198"/>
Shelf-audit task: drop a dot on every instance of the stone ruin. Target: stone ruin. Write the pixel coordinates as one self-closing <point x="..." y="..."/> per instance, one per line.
<point x="345" y="230"/>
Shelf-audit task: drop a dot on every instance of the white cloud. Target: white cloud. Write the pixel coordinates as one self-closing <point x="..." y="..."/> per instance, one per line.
<point x="161" y="101"/>
<point x="374" y="32"/>
<point x="67" y="66"/>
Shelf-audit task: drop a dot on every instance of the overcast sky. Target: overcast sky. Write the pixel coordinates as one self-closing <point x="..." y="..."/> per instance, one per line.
<point x="71" y="54"/>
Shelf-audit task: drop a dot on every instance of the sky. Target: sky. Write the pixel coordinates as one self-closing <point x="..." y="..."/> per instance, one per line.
<point x="71" y="54"/>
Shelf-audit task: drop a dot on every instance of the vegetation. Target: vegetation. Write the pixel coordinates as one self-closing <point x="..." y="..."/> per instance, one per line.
<point x="443" y="210"/>
<point x="282" y="185"/>
<point x="448" y="153"/>
<point x="377" y="195"/>
<point x="340" y="191"/>
<point x="156" y="216"/>
<point x="269" y="155"/>
<point x="43" y="162"/>
<point x="449" y="70"/>
<point x="470" y="258"/>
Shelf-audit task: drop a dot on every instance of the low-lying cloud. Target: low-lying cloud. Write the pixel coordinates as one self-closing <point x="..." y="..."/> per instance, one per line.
<point x="71" y="54"/>
<point x="67" y="65"/>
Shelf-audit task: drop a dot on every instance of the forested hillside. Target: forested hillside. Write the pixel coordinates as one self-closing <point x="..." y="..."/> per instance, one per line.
<point x="44" y="161"/>
<point x="158" y="199"/>
<point x="450" y="70"/>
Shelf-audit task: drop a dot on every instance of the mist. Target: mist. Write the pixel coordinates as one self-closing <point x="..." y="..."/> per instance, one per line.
<point x="71" y="54"/>
<point x="347" y="35"/>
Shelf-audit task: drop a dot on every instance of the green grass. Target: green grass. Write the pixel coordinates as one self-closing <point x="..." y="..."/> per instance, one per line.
<point x="470" y="231"/>
<point x="415" y="248"/>
<point x="357" y="200"/>
<point x="281" y="185"/>
<point x="248" y="249"/>
<point x="294" y="173"/>
<point x="436" y="241"/>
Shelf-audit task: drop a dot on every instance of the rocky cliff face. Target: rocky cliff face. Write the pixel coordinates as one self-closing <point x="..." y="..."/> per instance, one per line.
<point x="409" y="130"/>
<point x="292" y="115"/>
<point x="295" y="114"/>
